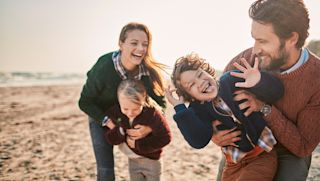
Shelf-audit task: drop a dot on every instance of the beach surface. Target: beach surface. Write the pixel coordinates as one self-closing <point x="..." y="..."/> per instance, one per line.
<point x="45" y="136"/>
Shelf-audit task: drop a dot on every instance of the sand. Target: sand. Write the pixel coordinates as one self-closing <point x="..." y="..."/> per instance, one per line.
<point x="44" y="136"/>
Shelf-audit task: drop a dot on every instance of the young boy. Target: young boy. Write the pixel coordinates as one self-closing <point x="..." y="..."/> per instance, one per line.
<point x="211" y="100"/>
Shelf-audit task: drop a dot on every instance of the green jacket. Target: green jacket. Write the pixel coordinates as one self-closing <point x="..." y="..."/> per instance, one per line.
<point x="100" y="90"/>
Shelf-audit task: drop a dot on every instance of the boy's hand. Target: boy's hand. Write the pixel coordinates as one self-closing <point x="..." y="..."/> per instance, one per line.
<point x="250" y="74"/>
<point x="172" y="100"/>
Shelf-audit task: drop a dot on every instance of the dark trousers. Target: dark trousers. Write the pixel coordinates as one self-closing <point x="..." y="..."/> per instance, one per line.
<point x="103" y="152"/>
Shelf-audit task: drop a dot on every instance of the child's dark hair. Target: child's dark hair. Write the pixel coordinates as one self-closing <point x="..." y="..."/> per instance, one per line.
<point x="191" y="61"/>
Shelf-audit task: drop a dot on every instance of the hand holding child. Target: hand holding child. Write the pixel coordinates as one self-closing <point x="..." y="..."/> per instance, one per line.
<point x="131" y="142"/>
<point x="139" y="131"/>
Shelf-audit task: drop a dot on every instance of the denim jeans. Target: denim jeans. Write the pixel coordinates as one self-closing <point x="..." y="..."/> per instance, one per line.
<point x="103" y="152"/>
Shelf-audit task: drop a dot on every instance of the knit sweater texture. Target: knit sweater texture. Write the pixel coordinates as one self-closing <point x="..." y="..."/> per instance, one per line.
<point x="100" y="90"/>
<point x="295" y="118"/>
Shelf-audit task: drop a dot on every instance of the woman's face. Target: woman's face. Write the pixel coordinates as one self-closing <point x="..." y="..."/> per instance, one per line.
<point x="199" y="84"/>
<point x="133" y="49"/>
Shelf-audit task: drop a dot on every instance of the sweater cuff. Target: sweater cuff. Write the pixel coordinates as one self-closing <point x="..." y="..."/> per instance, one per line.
<point x="180" y="107"/>
<point x="272" y="117"/>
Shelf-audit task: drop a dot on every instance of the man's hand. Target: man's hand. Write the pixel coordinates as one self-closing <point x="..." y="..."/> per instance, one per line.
<point x="252" y="104"/>
<point x="225" y="137"/>
<point x="139" y="131"/>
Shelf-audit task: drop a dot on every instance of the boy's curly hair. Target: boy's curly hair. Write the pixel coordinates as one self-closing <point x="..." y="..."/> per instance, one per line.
<point x="191" y="61"/>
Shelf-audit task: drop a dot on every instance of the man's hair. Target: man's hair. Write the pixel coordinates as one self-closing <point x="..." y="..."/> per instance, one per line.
<point x="189" y="62"/>
<point x="286" y="17"/>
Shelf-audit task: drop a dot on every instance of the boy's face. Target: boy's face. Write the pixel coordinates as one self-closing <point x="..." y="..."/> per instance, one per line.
<point x="199" y="84"/>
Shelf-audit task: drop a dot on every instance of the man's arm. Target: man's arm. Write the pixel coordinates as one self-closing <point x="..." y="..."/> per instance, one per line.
<point x="301" y="136"/>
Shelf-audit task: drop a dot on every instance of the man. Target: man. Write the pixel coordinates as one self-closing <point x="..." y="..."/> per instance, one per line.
<point x="279" y="28"/>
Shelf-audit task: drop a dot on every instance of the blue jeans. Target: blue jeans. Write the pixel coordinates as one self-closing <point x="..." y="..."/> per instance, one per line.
<point x="103" y="152"/>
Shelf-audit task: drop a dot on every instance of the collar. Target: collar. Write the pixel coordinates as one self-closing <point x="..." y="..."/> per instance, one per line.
<point x="122" y="72"/>
<point x="304" y="56"/>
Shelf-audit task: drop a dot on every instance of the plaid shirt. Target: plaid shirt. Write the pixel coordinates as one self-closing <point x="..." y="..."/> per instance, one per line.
<point x="266" y="142"/>
<point x="121" y="71"/>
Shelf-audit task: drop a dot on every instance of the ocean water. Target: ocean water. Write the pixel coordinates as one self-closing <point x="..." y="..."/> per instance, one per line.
<point x="10" y="79"/>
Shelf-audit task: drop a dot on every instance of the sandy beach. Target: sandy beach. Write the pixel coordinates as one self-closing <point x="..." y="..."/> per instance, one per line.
<point x="45" y="136"/>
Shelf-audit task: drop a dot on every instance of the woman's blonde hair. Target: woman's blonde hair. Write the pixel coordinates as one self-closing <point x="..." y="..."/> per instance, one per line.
<point x="155" y="68"/>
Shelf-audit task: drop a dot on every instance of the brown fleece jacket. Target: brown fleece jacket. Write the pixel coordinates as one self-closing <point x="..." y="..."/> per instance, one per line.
<point x="295" y="118"/>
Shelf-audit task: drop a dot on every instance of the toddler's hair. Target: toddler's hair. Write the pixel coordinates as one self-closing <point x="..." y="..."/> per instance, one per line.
<point x="136" y="92"/>
<point x="191" y="61"/>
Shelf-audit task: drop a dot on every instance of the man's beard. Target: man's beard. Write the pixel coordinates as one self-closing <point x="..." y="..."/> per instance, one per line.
<point x="279" y="61"/>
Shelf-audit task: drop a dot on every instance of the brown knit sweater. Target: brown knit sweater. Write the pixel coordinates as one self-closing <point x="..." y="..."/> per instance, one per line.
<point x="295" y="118"/>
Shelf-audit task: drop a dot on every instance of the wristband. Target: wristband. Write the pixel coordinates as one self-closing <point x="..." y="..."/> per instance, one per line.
<point x="105" y="121"/>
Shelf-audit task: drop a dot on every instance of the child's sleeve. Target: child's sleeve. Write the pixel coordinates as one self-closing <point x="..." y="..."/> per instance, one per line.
<point x="158" y="138"/>
<point x="195" y="131"/>
<point x="269" y="89"/>
<point x="116" y="135"/>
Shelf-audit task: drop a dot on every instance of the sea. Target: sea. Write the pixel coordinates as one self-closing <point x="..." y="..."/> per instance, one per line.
<point x="14" y="79"/>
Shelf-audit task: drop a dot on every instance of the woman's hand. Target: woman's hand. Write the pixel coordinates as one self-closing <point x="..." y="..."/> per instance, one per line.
<point x="110" y="124"/>
<point x="139" y="131"/>
<point x="225" y="137"/>
<point x="131" y="142"/>
<point x="250" y="74"/>
<point x="172" y="100"/>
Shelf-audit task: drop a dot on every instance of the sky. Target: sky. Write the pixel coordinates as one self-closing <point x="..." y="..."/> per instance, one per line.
<point x="70" y="35"/>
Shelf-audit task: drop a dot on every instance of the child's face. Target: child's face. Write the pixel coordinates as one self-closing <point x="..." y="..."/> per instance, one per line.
<point x="128" y="107"/>
<point x="199" y="84"/>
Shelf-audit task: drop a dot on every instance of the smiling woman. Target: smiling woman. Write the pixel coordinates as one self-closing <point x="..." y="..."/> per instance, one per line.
<point x="133" y="61"/>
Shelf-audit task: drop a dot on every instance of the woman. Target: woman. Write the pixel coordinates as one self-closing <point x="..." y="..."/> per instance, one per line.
<point x="132" y="60"/>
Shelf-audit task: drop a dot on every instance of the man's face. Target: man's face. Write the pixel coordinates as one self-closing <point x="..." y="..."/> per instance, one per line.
<point x="268" y="47"/>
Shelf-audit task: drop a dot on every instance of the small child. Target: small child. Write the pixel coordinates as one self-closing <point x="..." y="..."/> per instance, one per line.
<point x="210" y="100"/>
<point x="135" y="108"/>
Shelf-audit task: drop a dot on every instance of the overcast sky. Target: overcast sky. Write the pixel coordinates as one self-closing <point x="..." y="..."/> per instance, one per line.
<point x="69" y="35"/>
